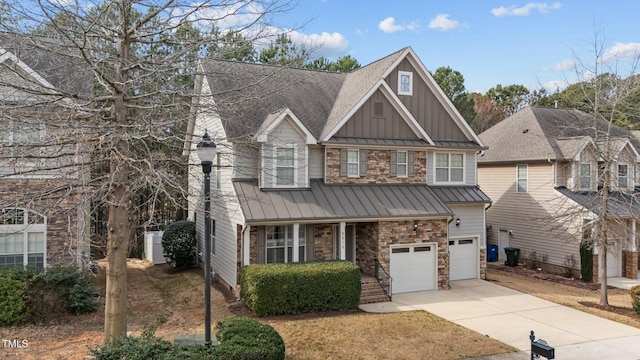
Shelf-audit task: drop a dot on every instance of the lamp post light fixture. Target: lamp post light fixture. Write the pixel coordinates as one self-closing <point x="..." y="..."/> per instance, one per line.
<point x="206" y="153"/>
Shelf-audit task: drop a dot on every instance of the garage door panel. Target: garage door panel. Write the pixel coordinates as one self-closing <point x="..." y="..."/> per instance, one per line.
<point x="413" y="268"/>
<point x="463" y="259"/>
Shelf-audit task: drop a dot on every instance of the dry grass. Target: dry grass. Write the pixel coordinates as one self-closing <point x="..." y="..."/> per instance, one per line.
<point x="586" y="300"/>
<point x="406" y="335"/>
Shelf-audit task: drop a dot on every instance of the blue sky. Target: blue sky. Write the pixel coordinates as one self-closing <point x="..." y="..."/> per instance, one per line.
<point x="489" y="42"/>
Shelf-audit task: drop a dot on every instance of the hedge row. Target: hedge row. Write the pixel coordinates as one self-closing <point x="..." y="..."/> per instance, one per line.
<point x="240" y="338"/>
<point x="275" y="289"/>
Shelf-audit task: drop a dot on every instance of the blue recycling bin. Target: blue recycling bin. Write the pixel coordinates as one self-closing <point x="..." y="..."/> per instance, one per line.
<point x="492" y="253"/>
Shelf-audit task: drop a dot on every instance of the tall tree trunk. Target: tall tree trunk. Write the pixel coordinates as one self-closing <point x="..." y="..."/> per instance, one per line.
<point x="115" y="314"/>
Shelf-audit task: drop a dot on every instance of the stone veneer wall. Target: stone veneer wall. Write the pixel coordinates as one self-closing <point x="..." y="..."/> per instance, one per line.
<point x="67" y="221"/>
<point x="630" y="264"/>
<point x="378" y="169"/>
<point x="429" y="231"/>
<point x="323" y="241"/>
<point x="367" y="247"/>
<point x="483" y="264"/>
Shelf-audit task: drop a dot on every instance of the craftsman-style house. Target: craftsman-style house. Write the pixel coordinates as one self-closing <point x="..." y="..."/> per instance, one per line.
<point x="544" y="169"/>
<point x="43" y="218"/>
<point x="375" y="167"/>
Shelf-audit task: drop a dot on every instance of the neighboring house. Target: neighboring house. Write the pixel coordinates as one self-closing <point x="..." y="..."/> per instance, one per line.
<point x="375" y="167"/>
<point x="542" y="169"/>
<point x="43" y="219"/>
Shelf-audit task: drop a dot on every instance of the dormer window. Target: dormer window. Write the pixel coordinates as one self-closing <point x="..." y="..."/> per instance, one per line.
<point x="285" y="170"/>
<point x="623" y="176"/>
<point x="405" y="83"/>
<point x="584" y="182"/>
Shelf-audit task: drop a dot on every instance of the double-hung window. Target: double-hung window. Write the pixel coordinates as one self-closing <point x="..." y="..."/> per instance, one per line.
<point x="522" y="178"/>
<point x="402" y="163"/>
<point x="449" y="168"/>
<point x="285" y="166"/>
<point x="584" y="176"/>
<point x="353" y="163"/>
<point x="279" y="244"/>
<point x="623" y="176"/>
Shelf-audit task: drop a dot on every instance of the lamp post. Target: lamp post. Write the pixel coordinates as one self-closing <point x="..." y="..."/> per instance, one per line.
<point x="207" y="152"/>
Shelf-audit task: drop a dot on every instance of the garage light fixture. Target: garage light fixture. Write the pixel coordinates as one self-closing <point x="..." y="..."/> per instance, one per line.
<point x="458" y="222"/>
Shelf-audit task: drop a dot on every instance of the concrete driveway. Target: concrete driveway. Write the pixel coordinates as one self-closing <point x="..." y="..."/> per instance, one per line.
<point x="509" y="316"/>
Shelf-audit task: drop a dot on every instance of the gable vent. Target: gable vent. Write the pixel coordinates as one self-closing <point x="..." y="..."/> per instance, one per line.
<point x="377" y="108"/>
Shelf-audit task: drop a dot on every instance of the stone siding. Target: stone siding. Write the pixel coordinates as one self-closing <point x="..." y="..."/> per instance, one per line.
<point x="378" y="169"/>
<point x="367" y="247"/>
<point x="67" y="220"/>
<point x="630" y="264"/>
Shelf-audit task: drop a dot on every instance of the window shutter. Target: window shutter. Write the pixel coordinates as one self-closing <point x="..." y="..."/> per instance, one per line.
<point x="411" y="166"/>
<point x="394" y="163"/>
<point x="363" y="162"/>
<point x="344" y="158"/>
<point x="260" y="248"/>
<point x="311" y="256"/>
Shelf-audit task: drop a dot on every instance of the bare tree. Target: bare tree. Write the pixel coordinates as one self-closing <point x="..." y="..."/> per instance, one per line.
<point x="141" y="58"/>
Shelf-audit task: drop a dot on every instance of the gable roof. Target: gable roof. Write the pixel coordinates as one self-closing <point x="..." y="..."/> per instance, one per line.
<point x="50" y="63"/>
<point x="246" y="96"/>
<point x="540" y="134"/>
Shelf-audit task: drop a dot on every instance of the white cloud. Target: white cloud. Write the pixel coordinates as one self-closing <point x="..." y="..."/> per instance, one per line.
<point x="622" y="51"/>
<point x="543" y="8"/>
<point x="442" y="22"/>
<point x="565" y="65"/>
<point x="326" y="44"/>
<point x="389" y="25"/>
<point x="554" y="85"/>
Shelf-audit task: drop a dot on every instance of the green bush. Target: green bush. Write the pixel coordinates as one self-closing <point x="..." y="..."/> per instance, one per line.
<point x="275" y="289"/>
<point x="179" y="244"/>
<point x="31" y="295"/>
<point x="239" y="338"/>
<point x="635" y="298"/>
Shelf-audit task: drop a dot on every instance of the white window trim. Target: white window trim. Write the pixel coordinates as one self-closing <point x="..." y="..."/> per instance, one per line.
<point x="357" y="174"/>
<point x="295" y="246"/>
<point x="405" y="163"/>
<point x="26" y="228"/>
<point x="435" y="167"/>
<point x="275" y="164"/>
<point x="590" y="176"/>
<point x="618" y="175"/>
<point x="218" y="169"/>
<point x="400" y="75"/>
<point x="518" y="179"/>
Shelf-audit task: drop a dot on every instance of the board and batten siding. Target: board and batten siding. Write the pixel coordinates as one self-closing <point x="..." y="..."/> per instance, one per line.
<point x="471" y="222"/>
<point x="285" y="134"/>
<point x="532" y="216"/>
<point x="470" y="163"/>
<point x="425" y="106"/>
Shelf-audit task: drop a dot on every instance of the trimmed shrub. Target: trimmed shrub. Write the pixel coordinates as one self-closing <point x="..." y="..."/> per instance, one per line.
<point x="586" y="261"/>
<point x="12" y="305"/>
<point x="275" y="289"/>
<point x="635" y="298"/>
<point x="179" y="244"/>
<point x="240" y="339"/>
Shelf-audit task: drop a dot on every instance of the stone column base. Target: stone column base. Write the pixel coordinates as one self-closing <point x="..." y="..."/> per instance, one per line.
<point x="631" y="264"/>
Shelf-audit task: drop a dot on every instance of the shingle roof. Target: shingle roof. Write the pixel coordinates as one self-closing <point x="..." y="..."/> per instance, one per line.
<point x="619" y="204"/>
<point x="539" y="133"/>
<point x="323" y="202"/>
<point x="57" y="62"/>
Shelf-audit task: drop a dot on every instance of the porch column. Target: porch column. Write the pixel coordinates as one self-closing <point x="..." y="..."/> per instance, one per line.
<point x="296" y="243"/>
<point x="343" y="241"/>
<point x="246" y="245"/>
<point x="633" y="246"/>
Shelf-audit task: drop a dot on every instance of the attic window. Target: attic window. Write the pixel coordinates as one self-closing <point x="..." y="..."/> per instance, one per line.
<point x="405" y="83"/>
<point x="377" y="108"/>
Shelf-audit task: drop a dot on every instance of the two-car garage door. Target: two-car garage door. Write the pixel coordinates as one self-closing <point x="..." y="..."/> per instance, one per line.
<point x="414" y="266"/>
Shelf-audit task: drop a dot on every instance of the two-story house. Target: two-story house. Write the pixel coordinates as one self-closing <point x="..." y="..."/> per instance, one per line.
<point x="543" y="169"/>
<point x="375" y="167"/>
<point x="43" y="214"/>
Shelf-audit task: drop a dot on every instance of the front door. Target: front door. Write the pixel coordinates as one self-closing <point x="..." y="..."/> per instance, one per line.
<point x="349" y="245"/>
